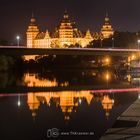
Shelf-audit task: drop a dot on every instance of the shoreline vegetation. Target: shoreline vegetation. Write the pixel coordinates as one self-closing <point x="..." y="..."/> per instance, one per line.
<point x="17" y="63"/>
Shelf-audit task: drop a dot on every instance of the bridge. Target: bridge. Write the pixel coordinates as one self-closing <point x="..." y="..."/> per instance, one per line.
<point x="95" y="88"/>
<point x="22" y="50"/>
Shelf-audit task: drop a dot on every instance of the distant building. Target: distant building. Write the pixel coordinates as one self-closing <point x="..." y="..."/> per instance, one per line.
<point x="65" y="35"/>
<point x="107" y="30"/>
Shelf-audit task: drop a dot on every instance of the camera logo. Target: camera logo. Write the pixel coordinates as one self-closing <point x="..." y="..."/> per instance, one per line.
<point x="53" y="133"/>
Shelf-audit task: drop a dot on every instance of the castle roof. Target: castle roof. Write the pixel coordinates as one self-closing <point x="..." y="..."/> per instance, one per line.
<point x="66" y="18"/>
<point x="40" y="35"/>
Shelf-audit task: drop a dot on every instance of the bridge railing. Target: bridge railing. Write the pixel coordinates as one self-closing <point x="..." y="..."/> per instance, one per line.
<point x="84" y="49"/>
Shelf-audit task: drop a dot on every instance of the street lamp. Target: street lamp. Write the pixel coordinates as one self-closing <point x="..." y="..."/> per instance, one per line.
<point x="138" y="43"/>
<point x="18" y="39"/>
<point x="138" y="48"/>
<point x="112" y="42"/>
<point x="101" y="41"/>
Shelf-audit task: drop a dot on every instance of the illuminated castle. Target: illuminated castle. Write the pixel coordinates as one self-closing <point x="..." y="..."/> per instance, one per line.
<point x="65" y="35"/>
<point x="107" y="30"/>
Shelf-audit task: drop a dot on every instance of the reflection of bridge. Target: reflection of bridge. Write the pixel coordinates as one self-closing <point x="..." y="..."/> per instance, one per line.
<point x="14" y="50"/>
<point x="94" y="88"/>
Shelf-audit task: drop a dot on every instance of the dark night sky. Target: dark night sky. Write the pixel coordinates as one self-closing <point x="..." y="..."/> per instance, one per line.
<point x="88" y="14"/>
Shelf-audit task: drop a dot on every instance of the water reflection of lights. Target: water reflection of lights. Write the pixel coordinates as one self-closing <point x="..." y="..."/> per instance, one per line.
<point x="32" y="80"/>
<point x="129" y="78"/>
<point x="107" y="60"/>
<point x="133" y="57"/>
<point x="80" y="101"/>
<point x="107" y="104"/>
<point x="139" y="96"/>
<point x="68" y="101"/>
<point x="19" y="101"/>
<point x="107" y="76"/>
<point x="94" y="91"/>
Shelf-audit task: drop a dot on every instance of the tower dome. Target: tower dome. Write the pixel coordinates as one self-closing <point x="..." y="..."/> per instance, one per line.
<point x="32" y="20"/>
<point x="106" y="19"/>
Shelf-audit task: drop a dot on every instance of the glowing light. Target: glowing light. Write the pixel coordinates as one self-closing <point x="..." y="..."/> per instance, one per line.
<point x="138" y="96"/>
<point x="80" y="101"/>
<point x="107" y="76"/>
<point x="107" y="60"/>
<point x="139" y="41"/>
<point x="19" y="103"/>
<point x="133" y="57"/>
<point x="113" y="101"/>
<point x="129" y="78"/>
<point x="107" y="104"/>
<point x="18" y="37"/>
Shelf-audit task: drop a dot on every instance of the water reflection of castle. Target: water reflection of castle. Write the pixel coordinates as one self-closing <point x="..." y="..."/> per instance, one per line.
<point x="32" y="80"/>
<point x="67" y="100"/>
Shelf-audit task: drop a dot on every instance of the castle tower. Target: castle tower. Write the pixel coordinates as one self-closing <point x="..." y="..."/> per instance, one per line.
<point x="107" y="104"/>
<point x="107" y="29"/>
<point x="87" y="39"/>
<point x="66" y="31"/>
<point x="32" y="32"/>
<point x="33" y="103"/>
<point x="88" y="35"/>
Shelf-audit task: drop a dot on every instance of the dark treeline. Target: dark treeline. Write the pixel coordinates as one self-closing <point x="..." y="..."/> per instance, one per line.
<point x="76" y="62"/>
<point x="10" y="63"/>
<point x="4" y="42"/>
<point x="11" y="70"/>
<point x="118" y="40"/>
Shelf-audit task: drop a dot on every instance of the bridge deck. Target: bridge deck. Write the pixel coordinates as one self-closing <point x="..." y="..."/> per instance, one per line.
<point x="95" y="89"/>
<point x="22" y="50"/>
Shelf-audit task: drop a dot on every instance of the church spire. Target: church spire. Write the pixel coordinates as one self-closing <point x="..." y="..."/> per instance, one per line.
<point x="66" y="16"/>
<point x="32" y="14"/>
<point x="88" y="35"/>
<point x="107" y="19"/>
<point x="33" y="20"/>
